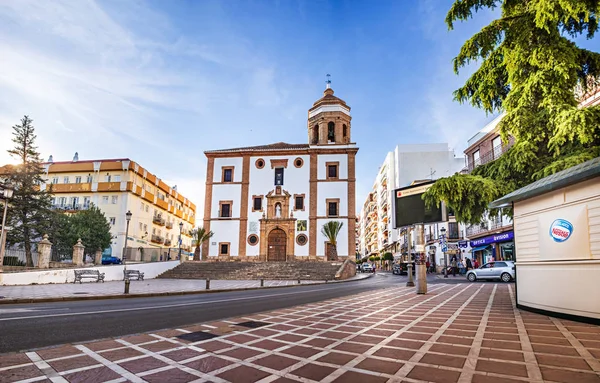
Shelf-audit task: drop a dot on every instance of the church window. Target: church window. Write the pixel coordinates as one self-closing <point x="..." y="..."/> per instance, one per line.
<point x="279" y="176"/>
<point x="345" y="131"/>
<point x="227" y="175"/>
<point x="332" y="170"/>
<point x="298" y="162"/>
<point x="257" y="203"/>
<point x="315" y="134"/>
<point x="301" y="239"/>
<point x="225" y="209"/>
<point x="331" y="131"/>
<point x="333" y="207"/>
<point x="252" y="239"/>
<point x="299" y="202"/>
<point x="223" y="248"/>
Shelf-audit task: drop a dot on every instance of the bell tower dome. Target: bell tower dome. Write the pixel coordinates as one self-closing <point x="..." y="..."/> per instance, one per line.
<point x="329" y="120"/>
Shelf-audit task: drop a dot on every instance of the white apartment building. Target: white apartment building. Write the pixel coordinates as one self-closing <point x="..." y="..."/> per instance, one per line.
<point x="117" y="186"/>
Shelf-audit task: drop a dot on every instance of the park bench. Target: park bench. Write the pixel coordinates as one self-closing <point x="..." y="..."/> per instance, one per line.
<point x="128" y="274"/>
<point x="80" y="274"/>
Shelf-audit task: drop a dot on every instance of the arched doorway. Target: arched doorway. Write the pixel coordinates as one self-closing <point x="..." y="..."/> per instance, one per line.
<point x="277" y="246"/>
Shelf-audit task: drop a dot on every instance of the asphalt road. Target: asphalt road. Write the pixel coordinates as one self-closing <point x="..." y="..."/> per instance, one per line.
<point x="29" y="326"/>
<point x="24" y="327"/>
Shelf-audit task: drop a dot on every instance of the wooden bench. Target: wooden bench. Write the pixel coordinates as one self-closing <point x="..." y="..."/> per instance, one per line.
<point x="128" y="274"/>
<point x="95" y="274"/>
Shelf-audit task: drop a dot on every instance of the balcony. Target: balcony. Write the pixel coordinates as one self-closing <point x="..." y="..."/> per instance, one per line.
<point x="169" y="225"/>
<point x="167" y="242"/>
<point x="476" y="230"/>
<point x="489" y="156"/>
<point x="157" y="239"/>
<point x="71" y="207"/>
<point x="158" y="220"/>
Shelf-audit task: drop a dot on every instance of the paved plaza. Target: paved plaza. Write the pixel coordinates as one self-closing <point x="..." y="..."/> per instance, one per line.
<point x="455" y="333"/>
<point x="151" y="286"/>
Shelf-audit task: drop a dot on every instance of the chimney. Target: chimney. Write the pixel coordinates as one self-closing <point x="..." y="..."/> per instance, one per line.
<point x="50" y="159"/>
<point x="76" y="157"/>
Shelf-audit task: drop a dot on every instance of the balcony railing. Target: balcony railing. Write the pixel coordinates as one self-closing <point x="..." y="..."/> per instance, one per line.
<point x="489" y="156"/>
<point x="157" y="239"/>
<point x="167" y="242"/>
<point x="158" y="220"/>
<point x="169" y="225"/>
<point x="476" y="229"/>
<point x="71" y="207"/>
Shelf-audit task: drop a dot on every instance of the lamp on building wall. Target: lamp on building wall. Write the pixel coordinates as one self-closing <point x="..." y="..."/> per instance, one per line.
<point x="7" y="193"/>
<point x="125" y="277"/>
<point x="180" y="229"/>
<point x="443" y="231"/>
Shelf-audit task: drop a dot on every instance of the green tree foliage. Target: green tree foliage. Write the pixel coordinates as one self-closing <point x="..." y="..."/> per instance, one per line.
<point x="29" y="208"/>
<point x="200" y="235"/>
<point x="331" y="230"/>
<point x="90" y="225"/>
<point x="532" y="70"/>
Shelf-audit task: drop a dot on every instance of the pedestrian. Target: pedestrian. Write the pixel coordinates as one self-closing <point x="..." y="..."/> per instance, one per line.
<point x="461" y="267"/>
<point x="469" y="264"/>
<point x="475" y="264"/>
<point x="453" y="264"/>
<point x="427" y="264"/>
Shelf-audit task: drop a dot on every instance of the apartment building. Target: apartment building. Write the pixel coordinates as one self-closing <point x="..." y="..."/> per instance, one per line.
<point x="403" y="166"/>
<point x="117" y="186"/>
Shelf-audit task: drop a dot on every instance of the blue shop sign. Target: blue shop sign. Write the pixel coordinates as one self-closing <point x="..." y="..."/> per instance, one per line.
<point x="504" y="237"/>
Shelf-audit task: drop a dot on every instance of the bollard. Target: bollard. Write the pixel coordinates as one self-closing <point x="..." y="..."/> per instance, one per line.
<point x="262" y="283"/>
<point x="208" y="284"/>
<point x="410" y="282"/>
<point x="298" y="281"/>
<point x="127" y="285"/>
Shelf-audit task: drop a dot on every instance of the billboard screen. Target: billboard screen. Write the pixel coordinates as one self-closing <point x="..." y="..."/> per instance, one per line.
<point x="410" y="207"/>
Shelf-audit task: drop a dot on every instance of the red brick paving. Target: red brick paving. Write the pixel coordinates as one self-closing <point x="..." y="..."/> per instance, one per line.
<point x="454" y="332"/>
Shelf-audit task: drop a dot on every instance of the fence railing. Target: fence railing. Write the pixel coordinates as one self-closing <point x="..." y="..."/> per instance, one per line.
<point x="18" y="258"/>
<point x="153" y="254"/>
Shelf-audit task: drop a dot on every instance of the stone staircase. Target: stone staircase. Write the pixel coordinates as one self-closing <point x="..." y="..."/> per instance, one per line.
<point x="304" y="270"/>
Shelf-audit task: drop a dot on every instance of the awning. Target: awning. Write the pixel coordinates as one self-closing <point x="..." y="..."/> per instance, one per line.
<point x="480" y="248"/>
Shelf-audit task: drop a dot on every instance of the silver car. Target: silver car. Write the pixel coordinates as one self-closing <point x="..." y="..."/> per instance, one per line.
<point x="503" y="270"/>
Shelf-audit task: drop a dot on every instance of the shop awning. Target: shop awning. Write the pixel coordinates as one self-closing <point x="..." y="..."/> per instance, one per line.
<point x="479" y="248"/>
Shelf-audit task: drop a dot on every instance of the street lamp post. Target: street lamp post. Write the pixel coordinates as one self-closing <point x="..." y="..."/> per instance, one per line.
<point x="7" y="193"/>
<point x="180" y="229"/>
<point x="443" y="230"/>
<point x="127" y="281"/>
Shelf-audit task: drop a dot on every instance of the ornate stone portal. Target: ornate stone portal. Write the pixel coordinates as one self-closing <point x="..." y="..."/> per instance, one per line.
<point x="277" y="228"/>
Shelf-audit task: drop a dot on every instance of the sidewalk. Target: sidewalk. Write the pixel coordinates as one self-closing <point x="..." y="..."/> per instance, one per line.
<point x="150" y="287"/>
<point x="456" y="333"/>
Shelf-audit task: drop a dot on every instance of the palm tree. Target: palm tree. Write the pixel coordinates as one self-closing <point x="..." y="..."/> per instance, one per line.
<point x="200" y="236"/>
<point x="331" y="230"/>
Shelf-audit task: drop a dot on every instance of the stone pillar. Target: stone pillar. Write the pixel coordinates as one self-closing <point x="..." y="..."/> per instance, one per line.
<point x="420" y="261"/>
<point x="98" y="257"/>
<point x="44" y="249"/>
<point x="78" y="253"/>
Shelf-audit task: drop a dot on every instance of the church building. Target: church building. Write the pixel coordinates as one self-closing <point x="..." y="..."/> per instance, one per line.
<point x="269" y="202"/>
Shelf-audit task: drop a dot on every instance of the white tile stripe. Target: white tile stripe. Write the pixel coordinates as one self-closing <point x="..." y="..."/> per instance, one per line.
<point x="533" y="369"/>
<point x="45" y="368"/>
<point x="469" y="367"/>
<point x="412" y="362"/>
<point x="113" y="366"/>
<point x="585" y="354"/>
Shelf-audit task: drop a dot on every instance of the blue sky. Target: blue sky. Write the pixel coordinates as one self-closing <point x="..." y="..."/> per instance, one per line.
<point x="162" y="81"/>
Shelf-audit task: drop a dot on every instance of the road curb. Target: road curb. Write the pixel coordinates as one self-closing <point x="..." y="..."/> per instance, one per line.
<point x="164" y="294"/>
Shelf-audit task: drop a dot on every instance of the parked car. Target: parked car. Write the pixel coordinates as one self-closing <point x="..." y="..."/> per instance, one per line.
<point x="402" y="268"/>
<point x="111" y="261"/>
<point x="503" y="270"/>
<point x="367" y="268"/>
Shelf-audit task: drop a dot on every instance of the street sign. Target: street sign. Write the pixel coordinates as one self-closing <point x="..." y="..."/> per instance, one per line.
<point x="445" y="249"/>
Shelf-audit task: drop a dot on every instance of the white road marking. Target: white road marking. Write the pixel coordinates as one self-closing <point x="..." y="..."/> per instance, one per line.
<point x="165" y="306"/>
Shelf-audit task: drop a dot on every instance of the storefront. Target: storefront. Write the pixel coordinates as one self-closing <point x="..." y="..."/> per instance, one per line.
<point x="498" y="247"/>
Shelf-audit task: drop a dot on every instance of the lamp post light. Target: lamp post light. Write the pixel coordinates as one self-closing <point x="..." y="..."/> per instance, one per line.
<point x="180" y="229"/>
<point x="125" y="277"/>
<point x="443" y="230"/>
<point x="7" y="193"/>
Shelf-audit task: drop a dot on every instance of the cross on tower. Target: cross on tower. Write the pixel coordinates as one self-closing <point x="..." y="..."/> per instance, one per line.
<point x="328" y="82"/>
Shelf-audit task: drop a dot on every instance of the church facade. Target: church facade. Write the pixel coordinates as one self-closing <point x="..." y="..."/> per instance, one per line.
<point x="269" y="202"/>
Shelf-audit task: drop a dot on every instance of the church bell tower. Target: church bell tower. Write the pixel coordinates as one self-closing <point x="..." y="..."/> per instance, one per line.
<point x="329" y="120"/>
